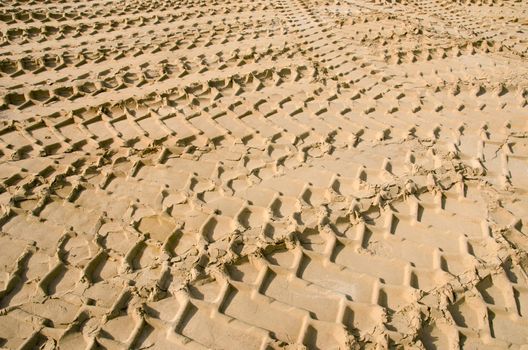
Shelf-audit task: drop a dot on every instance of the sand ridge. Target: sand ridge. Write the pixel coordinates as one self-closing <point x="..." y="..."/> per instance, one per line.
<point x="263" y="174"/>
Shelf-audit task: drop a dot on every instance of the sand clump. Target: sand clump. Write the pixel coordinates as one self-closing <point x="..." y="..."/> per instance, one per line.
<point x="260" y="175"/>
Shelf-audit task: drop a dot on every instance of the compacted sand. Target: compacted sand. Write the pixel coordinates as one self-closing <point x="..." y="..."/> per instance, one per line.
<point x="239" y="174"/>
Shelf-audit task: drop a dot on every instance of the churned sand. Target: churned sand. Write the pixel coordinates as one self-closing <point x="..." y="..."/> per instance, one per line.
<point x="239" y="174"/>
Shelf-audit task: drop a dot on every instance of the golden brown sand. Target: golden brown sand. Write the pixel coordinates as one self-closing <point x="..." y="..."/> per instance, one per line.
<point x="263" y="174"/>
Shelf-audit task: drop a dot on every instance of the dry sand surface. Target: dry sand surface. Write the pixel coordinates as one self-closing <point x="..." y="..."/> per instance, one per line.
<point x="240" y="174"/>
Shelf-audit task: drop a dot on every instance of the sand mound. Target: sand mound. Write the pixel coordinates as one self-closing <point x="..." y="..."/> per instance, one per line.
<point x="263" y="174"/>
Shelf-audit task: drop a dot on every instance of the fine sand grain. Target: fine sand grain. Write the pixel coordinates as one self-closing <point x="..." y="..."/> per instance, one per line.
<point x="240" y="174"/>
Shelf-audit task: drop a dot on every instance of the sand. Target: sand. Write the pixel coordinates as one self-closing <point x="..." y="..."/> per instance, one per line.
<point x="263" y="174"/>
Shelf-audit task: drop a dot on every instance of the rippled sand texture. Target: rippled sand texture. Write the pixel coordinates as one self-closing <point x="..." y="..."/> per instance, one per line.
<point x="240" y="174"/>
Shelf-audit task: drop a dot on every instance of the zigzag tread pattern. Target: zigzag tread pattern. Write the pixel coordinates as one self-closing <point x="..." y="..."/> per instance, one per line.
<point x="304" y="174"/>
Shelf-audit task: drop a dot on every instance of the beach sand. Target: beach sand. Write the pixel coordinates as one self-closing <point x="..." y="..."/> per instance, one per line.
<point x="266" y="174"/>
